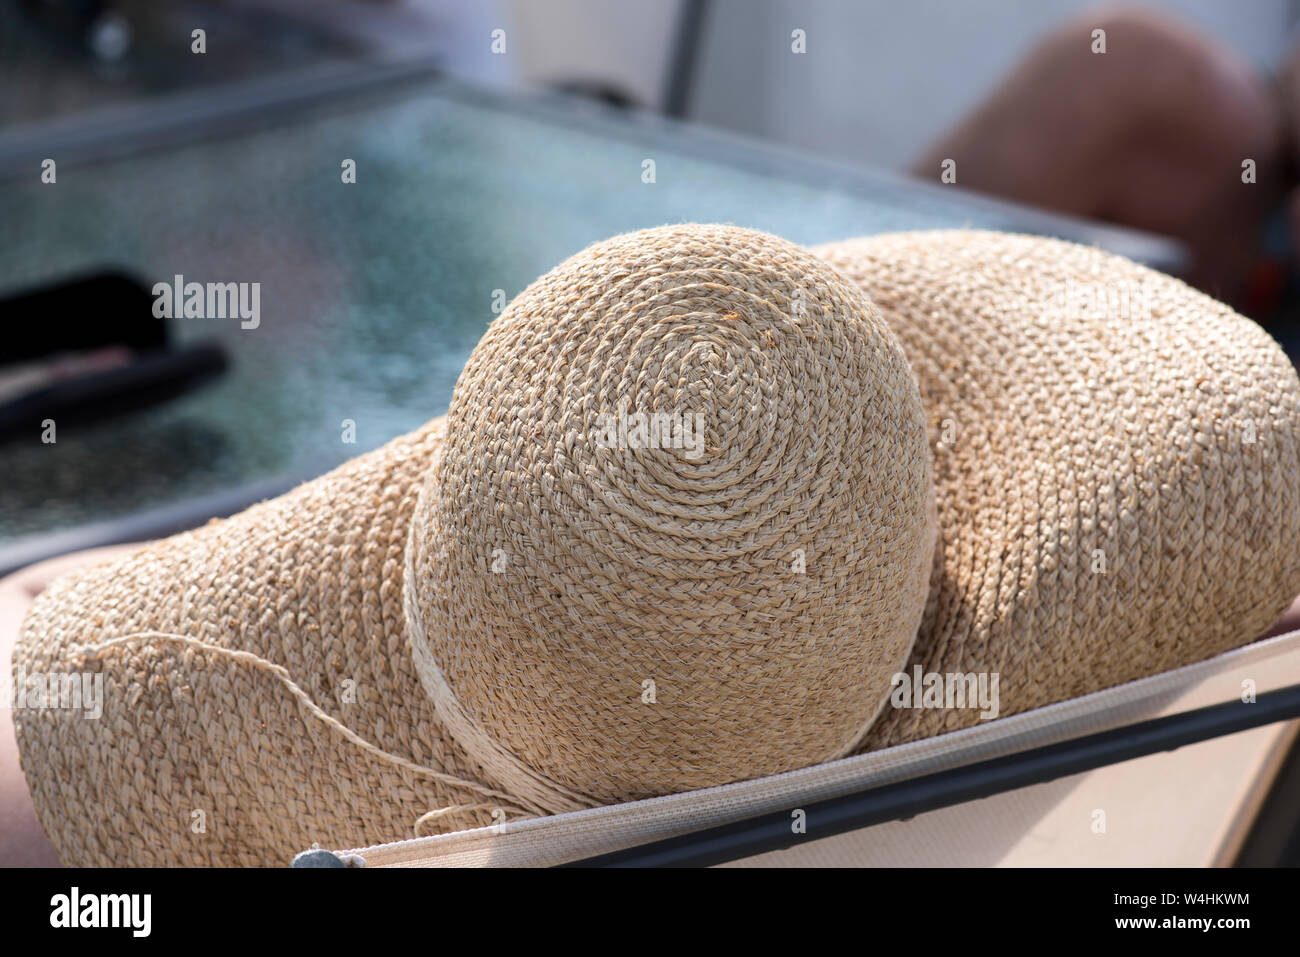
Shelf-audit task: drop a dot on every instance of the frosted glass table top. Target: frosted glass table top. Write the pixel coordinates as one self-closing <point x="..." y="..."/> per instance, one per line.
<point x="372" y="294"/>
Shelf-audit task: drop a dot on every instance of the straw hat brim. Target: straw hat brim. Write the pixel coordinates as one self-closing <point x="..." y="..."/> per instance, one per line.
<point x="1116" y="465"/>
<point x="218" y="731"/>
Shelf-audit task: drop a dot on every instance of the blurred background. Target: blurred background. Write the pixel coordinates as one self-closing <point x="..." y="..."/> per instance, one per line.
<point x="881" y="82"/>
<point x="486" y="141"/>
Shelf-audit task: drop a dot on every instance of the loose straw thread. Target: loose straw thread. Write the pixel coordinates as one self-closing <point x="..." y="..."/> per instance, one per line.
<point x="96" y="652"/>
<point x="439" y="814"/>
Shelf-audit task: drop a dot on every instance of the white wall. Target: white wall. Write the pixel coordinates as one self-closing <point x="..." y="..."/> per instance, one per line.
<point x="880" y="80"/>
<point x="623" y="41"/>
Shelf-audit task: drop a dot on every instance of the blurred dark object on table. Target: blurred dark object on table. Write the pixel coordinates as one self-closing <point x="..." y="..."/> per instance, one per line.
<point x="87" y="349"/>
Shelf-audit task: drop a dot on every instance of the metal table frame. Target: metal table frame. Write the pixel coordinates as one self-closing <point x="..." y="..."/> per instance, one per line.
<point x="906" y="799"/>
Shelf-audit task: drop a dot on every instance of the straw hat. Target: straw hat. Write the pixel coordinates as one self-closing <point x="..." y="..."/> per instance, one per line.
<point x="544" y="602"/>
<point x="675" y="530"/>
<point x="1115" y="458"/>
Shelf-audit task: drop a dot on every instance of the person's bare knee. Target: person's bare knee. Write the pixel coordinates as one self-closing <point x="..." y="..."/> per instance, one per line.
<point x="22" y="841"/>
<point x="1151" y="133"/>
<point x="1198" y="114"/>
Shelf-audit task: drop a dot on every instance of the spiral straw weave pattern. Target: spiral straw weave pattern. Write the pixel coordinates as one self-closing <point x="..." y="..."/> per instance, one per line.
<point x="764" y="584"/>
<point x="1115" y="458"/>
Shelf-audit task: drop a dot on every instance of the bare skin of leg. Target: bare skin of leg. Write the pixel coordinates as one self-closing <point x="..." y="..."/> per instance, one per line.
<point x="1150" y="134"/>
<point x="22" y="840"/>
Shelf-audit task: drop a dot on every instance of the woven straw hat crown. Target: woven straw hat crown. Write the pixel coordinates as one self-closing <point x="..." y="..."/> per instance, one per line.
<point x="680" y="530"/>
